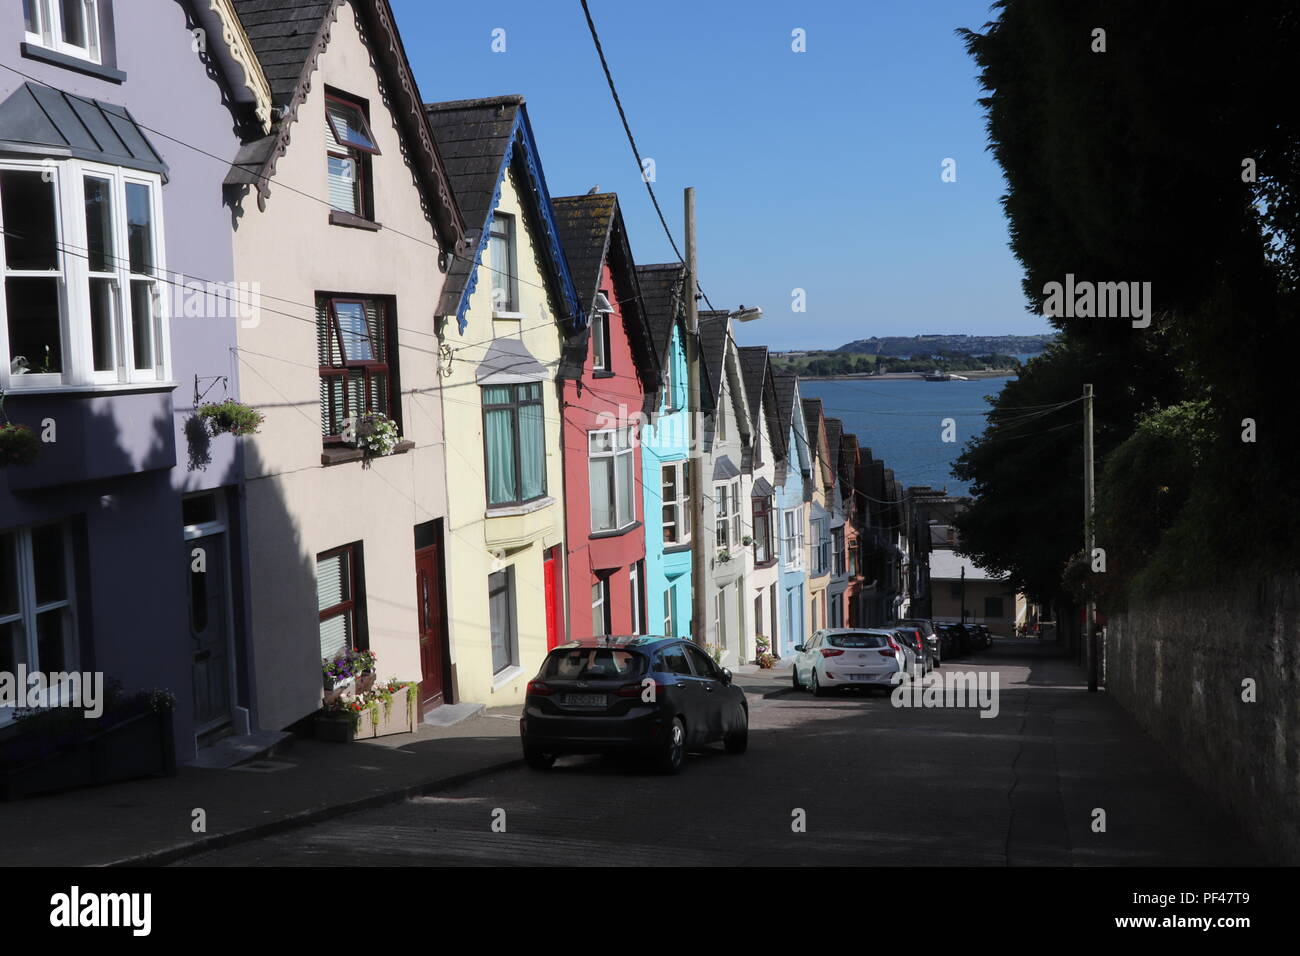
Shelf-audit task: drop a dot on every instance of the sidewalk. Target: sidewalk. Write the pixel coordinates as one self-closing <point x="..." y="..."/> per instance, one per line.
<point x="149" y="821"/>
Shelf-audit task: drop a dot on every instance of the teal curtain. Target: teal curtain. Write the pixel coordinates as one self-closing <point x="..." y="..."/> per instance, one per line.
<point x="499" y="440"/>
<point x="532" y="452"/>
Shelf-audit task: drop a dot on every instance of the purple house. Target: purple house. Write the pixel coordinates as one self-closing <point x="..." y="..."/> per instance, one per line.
<point x="119" y="542"/>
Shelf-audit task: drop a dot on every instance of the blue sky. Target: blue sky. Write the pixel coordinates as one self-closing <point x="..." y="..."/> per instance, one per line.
<point x="817" y="170"/>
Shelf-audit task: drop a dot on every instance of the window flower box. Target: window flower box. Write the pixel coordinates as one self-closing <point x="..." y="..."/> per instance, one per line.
<point x="389" y="708"/>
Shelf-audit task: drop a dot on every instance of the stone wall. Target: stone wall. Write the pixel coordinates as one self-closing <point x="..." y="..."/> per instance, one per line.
<point x="1181" y="665"/>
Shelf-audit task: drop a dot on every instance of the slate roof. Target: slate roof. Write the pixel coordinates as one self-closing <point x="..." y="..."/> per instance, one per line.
<point x="66" y="124"/>
<point x="713" y="352"/>
<point x="473" y="137"/>
<point x="283" y="33"/>
<point x="812" y="417"/>
<point x="591" y="230"/>
<point x="661" y="294"/>
<point x="785" y="383"/>
<point x="834" y="432"/>
<point x="585" y="224"/>
<point x="760" y="392"/>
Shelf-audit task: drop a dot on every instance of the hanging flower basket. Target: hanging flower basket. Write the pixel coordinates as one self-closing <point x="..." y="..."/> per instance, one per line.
<point x="19" y="445"/>
<point x="231" y="416"/>
<point x="373" y="432"/>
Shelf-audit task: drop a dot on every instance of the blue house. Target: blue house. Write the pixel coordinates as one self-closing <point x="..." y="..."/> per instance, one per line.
<point x="793" y="470"/>
<point x="665" y="447"/>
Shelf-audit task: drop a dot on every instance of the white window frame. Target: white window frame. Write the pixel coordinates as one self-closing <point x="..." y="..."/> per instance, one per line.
<point x="681" y="505"/>
<point x="721" y="516"/>
<point x="49" y="15"/>
<point x="73" y="276"/>
<point x="503" y="225"/>
<point x="599" y="601"/>
<point x="670" y="601"/>
<point x="28" y="609"/>
<point x="792" y="538"/>
<point x="721" y="426"/>
<point x="622" y="458"/>
<point x="634" y="587"/>
<point x="600" y="341"/>
<point x="736" y="536"/>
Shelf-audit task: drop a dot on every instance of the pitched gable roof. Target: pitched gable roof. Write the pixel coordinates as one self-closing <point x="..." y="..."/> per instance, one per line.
<point x="591" y="232"/>
<point x="480" y="140"/>
<point x="661" y="293"/>
<point x="288" y="37"/>
<point x="815" y="421"/>
<point x="834" y="432"/>
<point x="713" y="352"/>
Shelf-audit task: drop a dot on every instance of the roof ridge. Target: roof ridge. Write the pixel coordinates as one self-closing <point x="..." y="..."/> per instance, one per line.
<point x="505" y="99"/>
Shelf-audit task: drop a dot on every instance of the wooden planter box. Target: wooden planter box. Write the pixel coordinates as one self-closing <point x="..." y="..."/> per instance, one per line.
<point x="139" y="746"/>
<point x="400" y="718"/>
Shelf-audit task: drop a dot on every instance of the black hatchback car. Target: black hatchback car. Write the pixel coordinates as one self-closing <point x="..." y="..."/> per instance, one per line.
<point x="657" y="695"/>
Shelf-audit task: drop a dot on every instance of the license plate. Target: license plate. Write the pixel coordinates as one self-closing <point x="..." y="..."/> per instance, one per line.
<point x="583" y="700"/>
<point x="861" y="676"/>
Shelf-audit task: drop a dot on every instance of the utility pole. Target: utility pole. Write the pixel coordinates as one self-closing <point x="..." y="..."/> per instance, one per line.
<point x="1089" y="539"/>
<point x="698" y="595"/>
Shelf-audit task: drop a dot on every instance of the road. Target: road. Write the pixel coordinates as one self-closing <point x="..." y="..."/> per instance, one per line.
<point x="874" y="785"/>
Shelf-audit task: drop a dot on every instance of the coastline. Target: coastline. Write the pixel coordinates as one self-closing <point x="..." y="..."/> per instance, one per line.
<point x="905" y="376"/>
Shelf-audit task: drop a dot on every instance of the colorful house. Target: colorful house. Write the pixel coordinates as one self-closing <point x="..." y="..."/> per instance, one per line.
<point x="344" y="217"/>
<point x="610" y="380"/>
<point x="836" y="614"/>
<point x="508" y="308"/>
<point x="793" y="471"/>
<point x="816" y="493"/>
<point x="665" y="448"/>
<point x="854" y="527"/>
<point x="726" y="512"/>
<point x="762" y="574"/>
<point x="119" y="542"/>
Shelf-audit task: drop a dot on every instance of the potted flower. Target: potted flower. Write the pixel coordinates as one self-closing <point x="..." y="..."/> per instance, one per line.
<point x="764" y="658"/>
<point x="339" y="677"/>
<point x="230" y="416"/>
<point x="747" y="540"/>
<point x="373" y="432"/>
<point x="363" y="666"/>
<point x="723" y="555"/>
<point x="18" y="445"/>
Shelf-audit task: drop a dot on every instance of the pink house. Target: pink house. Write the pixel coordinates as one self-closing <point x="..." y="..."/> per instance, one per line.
<point x="609" y="380"/>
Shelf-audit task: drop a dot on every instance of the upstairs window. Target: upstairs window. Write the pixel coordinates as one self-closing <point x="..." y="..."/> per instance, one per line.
<point x="726" y="515"/>
<point x="837" y="551"/>
<point x="502" y="258"/>
<point x="82" y="269"/>
<point x="611" y="467"/>
<point x="762" y="520"/>
<point x="792" y="537"/>
<point x="514" y="443"/>
<point x="600" y="342"/>
<point x="352" y="342"/>
<point x="70" y="27"/>
<point x="675" y="494"/>
<point x="349" y="144"/>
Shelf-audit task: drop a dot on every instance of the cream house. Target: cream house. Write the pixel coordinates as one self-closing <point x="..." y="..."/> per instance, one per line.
<point x="344" y="222"/>
<point x="506" y="313"/>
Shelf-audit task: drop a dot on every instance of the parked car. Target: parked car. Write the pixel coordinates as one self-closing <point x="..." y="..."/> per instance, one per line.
<point x="931" y="637"/>
<point x="947" y="639"/>
<point x="985" y="635"/>
<point x="963" y="637"/>
<point x="849" y="657"/>
<point x="660" y="696"/>
<point x="913" y="640"/>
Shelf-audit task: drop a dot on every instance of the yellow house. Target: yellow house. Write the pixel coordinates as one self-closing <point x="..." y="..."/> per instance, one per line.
<point x="505" y="312"/>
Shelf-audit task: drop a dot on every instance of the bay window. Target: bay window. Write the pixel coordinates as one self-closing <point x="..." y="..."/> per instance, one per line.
<point x="83" y="302"/>
<point x="726" y="515"/>
<point x="70" y="27"/>
<point x="675" y="495"/>
<point x="36" y="606"/>
<point x="514" y="443"/>
<point x="611" y="465"/>
<point x="353" y="346"/>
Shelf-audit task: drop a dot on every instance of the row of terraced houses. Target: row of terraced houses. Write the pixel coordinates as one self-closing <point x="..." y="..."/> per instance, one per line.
<point x="251" y="200"/>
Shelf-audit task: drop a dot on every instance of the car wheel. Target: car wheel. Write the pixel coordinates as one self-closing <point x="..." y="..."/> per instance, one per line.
<point x="538" y="760"/>
<point x="815" y="685"/>
<point x="794" y="677"/>
<point x="671" y="754"/>
<point x="737" y="740"/>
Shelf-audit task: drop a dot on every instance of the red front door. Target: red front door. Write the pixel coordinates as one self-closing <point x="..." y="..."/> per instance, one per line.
<point x="433" y="626"/>
<point x="554" y="598"/>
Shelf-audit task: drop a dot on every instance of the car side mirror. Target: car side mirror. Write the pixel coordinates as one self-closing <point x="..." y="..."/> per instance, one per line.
<point x="726" y="675"/>
<point x="799" y="648"/>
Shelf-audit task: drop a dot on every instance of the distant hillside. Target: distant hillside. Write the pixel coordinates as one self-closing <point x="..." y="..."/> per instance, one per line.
<point x="917" y="345"/>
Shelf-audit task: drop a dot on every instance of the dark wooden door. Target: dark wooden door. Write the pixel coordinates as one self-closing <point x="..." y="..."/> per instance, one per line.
<point x="433" y="626"/>
<point x="209" y="630"/>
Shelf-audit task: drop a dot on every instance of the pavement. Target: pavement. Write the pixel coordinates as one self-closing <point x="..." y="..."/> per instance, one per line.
<point x="876" y="784"/>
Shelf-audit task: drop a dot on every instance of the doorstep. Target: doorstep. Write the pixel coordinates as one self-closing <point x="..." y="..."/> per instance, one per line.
<point x="448" y="715"/>
<point x="229" y="751"/>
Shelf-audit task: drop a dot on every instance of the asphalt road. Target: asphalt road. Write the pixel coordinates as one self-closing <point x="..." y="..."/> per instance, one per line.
<point x="873" y="784"/>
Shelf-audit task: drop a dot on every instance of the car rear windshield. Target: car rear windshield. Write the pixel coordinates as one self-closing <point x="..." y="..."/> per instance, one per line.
<point x="856" y="640"/>
<point x="592" y="663"/>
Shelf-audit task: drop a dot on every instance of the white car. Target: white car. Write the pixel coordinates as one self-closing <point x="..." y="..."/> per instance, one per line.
<point x="850" y="657"/>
